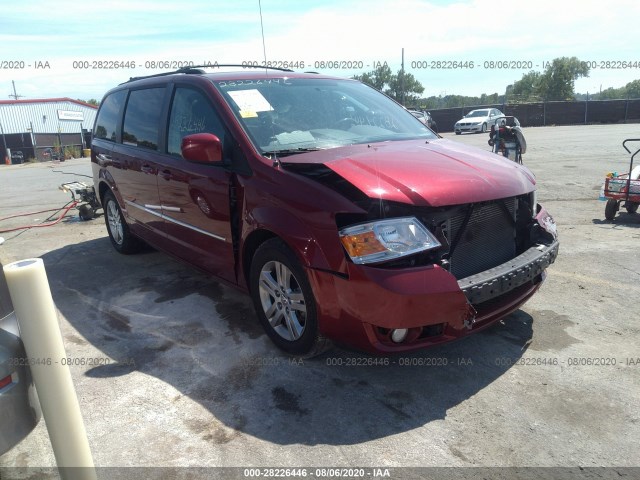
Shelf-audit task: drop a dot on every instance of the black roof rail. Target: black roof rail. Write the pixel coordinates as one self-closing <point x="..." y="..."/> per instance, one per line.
<point x="196" y="70"/>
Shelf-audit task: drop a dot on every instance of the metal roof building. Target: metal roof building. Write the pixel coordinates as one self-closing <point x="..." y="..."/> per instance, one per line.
<point x="38" y="128"/>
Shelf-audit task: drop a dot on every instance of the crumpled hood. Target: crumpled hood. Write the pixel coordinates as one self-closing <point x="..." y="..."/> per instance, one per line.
<point x="435" y="173"/>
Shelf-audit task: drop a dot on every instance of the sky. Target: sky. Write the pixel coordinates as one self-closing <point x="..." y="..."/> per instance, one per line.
<point x="46" y="46"/>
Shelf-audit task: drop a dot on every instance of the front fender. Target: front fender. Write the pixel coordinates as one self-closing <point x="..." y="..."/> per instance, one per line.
<point x="316" y="244"/>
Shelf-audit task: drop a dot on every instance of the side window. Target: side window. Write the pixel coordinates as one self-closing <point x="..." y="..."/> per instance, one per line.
<point x="107" y="121"/>
<point x="191" y="113"/>
<point x="142" y="118"/>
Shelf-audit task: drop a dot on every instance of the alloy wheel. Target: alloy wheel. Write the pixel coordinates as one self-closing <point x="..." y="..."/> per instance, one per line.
<point x="282" y="300"/>
<point x="115" y="222"/>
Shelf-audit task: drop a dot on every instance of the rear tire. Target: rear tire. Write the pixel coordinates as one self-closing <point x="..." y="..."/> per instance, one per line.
<point x="631" y="207"/>
<point x="611" y="209"/>
<point x="284" y="301"/>
<point x="121" y="237"/>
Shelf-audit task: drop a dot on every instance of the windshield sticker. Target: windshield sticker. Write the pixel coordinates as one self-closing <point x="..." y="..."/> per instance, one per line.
<point x="250" y="102"/>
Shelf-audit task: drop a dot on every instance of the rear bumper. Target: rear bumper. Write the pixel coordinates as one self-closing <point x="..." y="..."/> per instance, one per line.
<point x="364" y="308"/>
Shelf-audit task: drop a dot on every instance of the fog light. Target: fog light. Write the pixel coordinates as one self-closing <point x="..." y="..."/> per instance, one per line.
<point x="399" y="334"/>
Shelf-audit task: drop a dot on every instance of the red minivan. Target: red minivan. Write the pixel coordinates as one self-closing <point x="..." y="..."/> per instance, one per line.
<point x="341" y="214"/>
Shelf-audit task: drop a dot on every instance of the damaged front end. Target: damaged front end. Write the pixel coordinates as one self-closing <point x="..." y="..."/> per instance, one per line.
<point x="456" y="269"/>
<point x="491" y="259"/>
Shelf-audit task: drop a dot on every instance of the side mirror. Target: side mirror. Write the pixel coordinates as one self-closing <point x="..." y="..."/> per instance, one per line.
<point x="202" y="148"/>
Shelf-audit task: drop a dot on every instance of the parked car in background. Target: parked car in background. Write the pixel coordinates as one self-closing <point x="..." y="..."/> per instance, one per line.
<point x="342" y="216"/>
<point x="17" y="156"/>
<point x="477" y="121"/>
<point x="19" y="406"/>
<point x="426" y="119"/>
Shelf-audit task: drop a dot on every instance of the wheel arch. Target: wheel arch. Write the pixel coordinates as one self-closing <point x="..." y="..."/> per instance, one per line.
<point x="103" y="186"/>
<point x="303" y="240"/>
<point x="249" y="248"/>
<point x="106" y="182"/>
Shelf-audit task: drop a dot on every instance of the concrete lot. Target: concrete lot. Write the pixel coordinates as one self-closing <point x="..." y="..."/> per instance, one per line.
<point x="184" y="375"/>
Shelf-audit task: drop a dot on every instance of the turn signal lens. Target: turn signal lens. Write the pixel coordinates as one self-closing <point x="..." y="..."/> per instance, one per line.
<point x="362" y="244"/>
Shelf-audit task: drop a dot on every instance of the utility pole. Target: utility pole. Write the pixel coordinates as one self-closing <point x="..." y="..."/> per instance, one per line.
<point x="15" y="94"/>
<point x="33" y="141"/>
<point x="402" y="80"/>
<point x="5" y="155"/>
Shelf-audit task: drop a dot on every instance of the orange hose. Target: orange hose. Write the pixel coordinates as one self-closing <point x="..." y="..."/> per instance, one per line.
<point x="66" y="209"/>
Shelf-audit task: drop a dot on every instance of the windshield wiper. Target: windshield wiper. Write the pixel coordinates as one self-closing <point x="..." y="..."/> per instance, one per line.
<point x="291" y="151"/>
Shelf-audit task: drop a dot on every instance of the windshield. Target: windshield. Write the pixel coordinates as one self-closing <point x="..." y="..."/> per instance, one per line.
<point x="478" y="113"/>
<point x="292" y="115"/>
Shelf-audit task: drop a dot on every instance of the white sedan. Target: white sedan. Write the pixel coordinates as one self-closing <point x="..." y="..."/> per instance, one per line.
<point x="477" y="120"/>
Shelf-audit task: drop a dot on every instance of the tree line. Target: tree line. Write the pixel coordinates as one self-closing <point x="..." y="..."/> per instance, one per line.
<point x="555" y="82"/>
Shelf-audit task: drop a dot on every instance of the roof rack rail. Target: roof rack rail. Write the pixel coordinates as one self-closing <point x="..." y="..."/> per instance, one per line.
<point x="196" y="70"/>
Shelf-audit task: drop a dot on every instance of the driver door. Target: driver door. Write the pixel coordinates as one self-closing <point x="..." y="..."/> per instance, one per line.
<point x="194" y="197"/>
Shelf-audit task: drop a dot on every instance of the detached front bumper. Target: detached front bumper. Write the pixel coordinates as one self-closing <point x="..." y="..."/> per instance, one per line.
<point x="364" y="309"/>
<point x="506" y="277"/>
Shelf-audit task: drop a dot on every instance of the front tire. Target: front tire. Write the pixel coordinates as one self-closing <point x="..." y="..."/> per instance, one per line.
<point x="284" y="301"/>
<point x="484" y="128"/>
<point x="121" y="237"/>
<point x="631" y="207"/>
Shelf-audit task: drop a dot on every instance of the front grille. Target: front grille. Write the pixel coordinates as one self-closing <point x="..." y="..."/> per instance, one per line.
<point x="496" y="232"/>
<point x="488" y="240"/>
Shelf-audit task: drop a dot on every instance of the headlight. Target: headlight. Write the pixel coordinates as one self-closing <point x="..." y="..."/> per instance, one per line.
<point x="386" y="239"/>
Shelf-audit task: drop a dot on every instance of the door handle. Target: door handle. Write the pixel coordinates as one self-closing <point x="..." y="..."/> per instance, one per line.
<point x="103" y="159"/>
<point x="148" y="170"/>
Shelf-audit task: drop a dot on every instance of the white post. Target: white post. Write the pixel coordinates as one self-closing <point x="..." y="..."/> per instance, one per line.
<point x="40" y="333"/>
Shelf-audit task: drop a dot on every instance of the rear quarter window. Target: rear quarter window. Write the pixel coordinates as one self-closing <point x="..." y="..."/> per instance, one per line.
<point x="142" y="118"/>
<point x="107" y="120"/>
